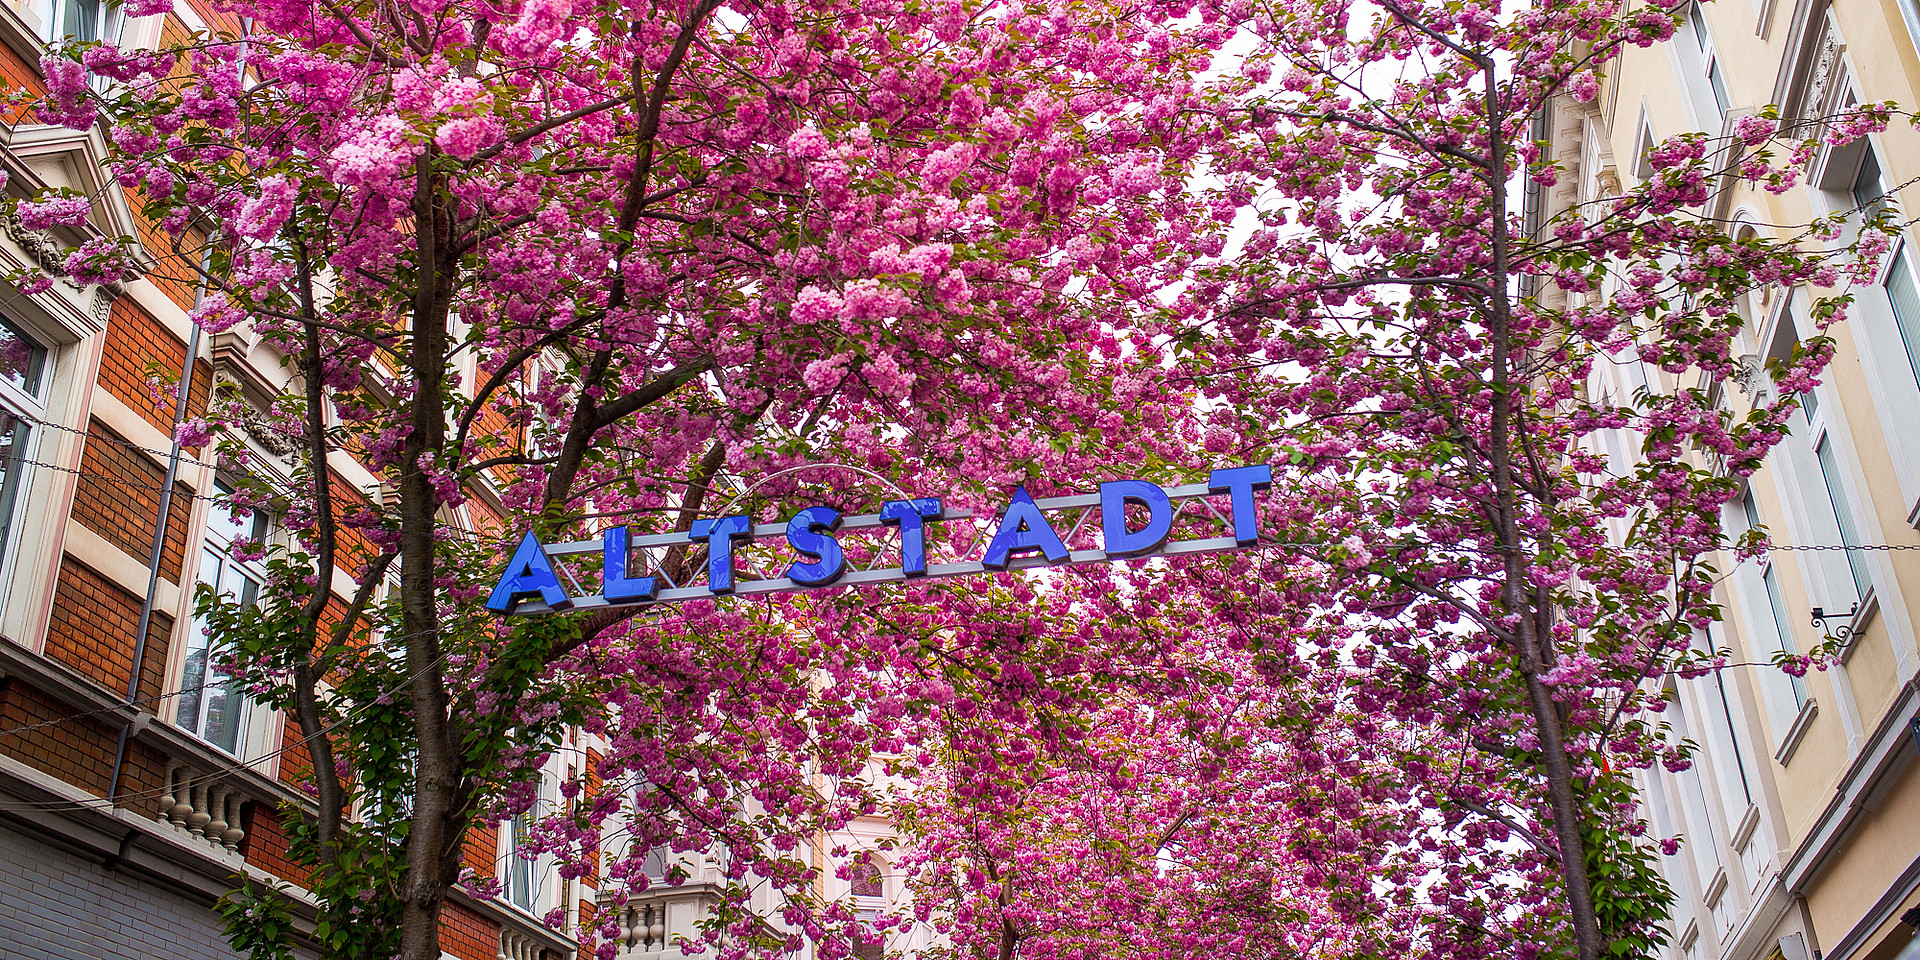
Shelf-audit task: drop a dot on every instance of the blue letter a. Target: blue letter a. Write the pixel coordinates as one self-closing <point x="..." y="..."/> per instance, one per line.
<point x="530" y="572"/>
<point x="1022" y="528"/>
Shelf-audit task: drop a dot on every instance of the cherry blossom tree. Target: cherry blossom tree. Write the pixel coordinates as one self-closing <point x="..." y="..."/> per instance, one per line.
<point x="559" y="265"/>
<point x="1426" y="360"/>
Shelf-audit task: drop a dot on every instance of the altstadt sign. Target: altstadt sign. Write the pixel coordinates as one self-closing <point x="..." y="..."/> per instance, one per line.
<point x="1023" y="537"/>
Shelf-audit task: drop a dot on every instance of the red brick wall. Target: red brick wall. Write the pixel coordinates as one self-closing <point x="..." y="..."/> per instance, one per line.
<point x="480" y="850"/>
<point x="174" y="257"/>
<point x="353" y="548"/>
<point x="77" y="750"/>
<point x="467" y="935"/>
<point x="138" y="345"/>
<point x="587" y="934"/>
<point x="93" y="627"/>
<point x="265" y="845"/>
<point x="296" y="761"/>
<point x="18" y="74"/>
<point x="73" y="748"/>
<point x="118" y="497"/>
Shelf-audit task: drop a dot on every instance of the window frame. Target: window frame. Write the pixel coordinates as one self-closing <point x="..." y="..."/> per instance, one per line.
<point x="110" y="23"/>
<point x="867" y="907"/>
<point x="1708" y="102"/>
<point x="1709" y="59"/>
<point x="1821" y="446"/>
<point x="1775" y="601"/>
<point x="29" y="404"/>
<point x="214" y="543"/>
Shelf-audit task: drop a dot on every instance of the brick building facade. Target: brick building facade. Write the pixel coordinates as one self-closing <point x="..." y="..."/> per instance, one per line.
<point x="128" y="804"/>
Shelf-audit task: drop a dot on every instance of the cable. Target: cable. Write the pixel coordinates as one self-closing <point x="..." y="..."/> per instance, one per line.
<point x="113" y="440"/>
<point x="1845" y="546"/>
<point x="107" y="478"/>
<point x="122" y="799"/>
<point x="11" y="731"/>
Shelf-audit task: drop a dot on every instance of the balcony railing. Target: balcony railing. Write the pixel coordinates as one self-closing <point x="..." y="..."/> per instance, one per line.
<point x="654" y="923"/>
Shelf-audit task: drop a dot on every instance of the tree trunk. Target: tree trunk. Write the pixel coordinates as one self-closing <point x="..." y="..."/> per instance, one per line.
<point x="437" y="765"/>
<point x="1530" y="652"/>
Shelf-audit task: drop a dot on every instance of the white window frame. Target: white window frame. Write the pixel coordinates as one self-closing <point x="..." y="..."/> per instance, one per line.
<point x="1695" y="61"/>
<point x="191" y="711"/>
<point x="1768" y="625"/>
<point x="1709" y="59"/>
<point x="515" y="867"/>
<point x="1825" y="465"/>
<point x="867" y="908"/>
<point x="1889" y="356"/>
<point x="52" y="15"/>
<point x="31" y="407"/>
<point x="541" y="895"/>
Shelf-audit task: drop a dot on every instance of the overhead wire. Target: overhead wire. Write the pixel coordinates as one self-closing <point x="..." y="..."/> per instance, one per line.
<point x="121" y="800"/>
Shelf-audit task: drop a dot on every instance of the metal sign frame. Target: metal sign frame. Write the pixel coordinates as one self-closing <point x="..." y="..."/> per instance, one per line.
<point x="1023" y="539"/>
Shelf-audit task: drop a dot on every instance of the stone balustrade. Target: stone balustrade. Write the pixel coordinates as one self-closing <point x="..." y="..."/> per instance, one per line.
<point x="517" y="946"/>
<point x="643" y="926"/>
<point x="653" y="925"/>
<point x="203" y="809"/>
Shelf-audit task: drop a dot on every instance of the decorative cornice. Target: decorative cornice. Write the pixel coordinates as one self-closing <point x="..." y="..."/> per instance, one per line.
<point x="40" y="245"/>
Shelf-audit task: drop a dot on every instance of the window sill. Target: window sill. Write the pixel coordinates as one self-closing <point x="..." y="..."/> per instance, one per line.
<point x="1862" y="618"/>
<point x="1743" y="834"/>
<point x="1716" y="888"/>
<point x="1797" y="732"/>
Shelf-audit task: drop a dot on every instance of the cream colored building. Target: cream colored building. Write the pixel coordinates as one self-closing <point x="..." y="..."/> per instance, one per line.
<point x="1802" y="810"/>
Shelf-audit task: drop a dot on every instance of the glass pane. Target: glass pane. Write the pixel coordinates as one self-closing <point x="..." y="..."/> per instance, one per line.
<point x="866" y="881"/>
<point x="519" y="870"/>
<point x="1843" y="518"/>
<point x="1866" y="183"/>
<point x="224" y="711"/>
<point x="1905" y="298"/>
<point x="13" y="449"/>
<point x="23" y="361"/>
<point x="1784" y="632"/>
<point x="81" y="20"/>
<point x="1752" y="511"/>
<point x="193" y="680"/>
<point x="1699" y="26"/>
<point x="212" y="703"/>
<point x="224" y="527"/>
<point x="1719" y="85"/>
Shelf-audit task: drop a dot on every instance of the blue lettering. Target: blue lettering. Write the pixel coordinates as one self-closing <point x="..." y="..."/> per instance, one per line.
<point x="615" y="585"/>
<point x="911" y="517"/>
<point x="529" y="574"/>
<point x="1022" y="529"/>
<point x="811" y="532"/>
<point x="721" y="535"/>
<point x="1118" y="540"/>
<point x="1241" y="482"/>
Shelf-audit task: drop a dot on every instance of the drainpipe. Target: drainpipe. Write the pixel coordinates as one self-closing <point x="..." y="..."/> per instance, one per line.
<point x="153" y="560"/>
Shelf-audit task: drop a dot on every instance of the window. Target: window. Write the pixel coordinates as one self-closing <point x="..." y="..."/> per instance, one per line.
<point x="1773" y="624"/>
<point x="1904" y="297"/>
<point x="78" y="19"/>
<point x="1710" y="61"/>
<point x="1831" y="500"/>
<point x="521" y="889"/>
<point x="1701" y="76"/>
<point x="869" y="895"/>
<point x="1702" y="837"/>
<point x="23" y="364"/>
<point x="212" y="705"/>
<point x="1869" y="194"/>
